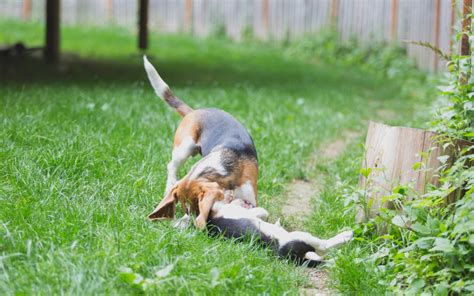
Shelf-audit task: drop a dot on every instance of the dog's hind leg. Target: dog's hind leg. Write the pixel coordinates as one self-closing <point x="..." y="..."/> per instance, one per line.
<point x="181" y="152"/>
<point x="321" y="246"/>
<point x="184" y="146"/>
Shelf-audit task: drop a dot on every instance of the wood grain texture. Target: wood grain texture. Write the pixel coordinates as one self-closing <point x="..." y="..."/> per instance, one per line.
<point x="392" y="153"/>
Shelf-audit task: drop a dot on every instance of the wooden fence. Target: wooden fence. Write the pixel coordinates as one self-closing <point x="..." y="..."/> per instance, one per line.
<point x="389" y="20"/>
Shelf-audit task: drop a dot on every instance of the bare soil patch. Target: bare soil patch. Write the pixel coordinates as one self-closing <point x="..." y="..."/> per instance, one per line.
<point x="299" y="197"/>
<point x="297" y="207"/>
<point x="320" y="281"/>
<point x="335" y="148"/>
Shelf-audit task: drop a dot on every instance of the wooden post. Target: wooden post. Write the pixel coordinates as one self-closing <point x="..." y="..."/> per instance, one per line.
<point x="51" y="52"/>
<point x="143" y="25"/>
<point x="399" y="155"/>
<point x="110" y="10"/>
<point x="188" y="15"/>
<point x="26" y="10"/>
<point x="453" y="22"/>
<point x="333" y="13"/>
<point x="466" y="27"/>
<point x="437" y="13"/>
<point x="393" y="21"/>
<point x="265" y="18"/>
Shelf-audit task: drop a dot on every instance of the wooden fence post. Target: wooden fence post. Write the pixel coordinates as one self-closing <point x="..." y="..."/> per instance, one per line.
<point x="453" y="22"/>
<point x="143" y="25"/>
<point x="188" y="15"/>
<point x="265" y="19"/>
<point x="333" y="13"/>
<point x="437" y="13"/>
<point x="466" y="27"/>
<point x="26" y="10"/>
<point x="393" y="20"/>
<point x="51" y="52"/>
<point x="110" y="10"/>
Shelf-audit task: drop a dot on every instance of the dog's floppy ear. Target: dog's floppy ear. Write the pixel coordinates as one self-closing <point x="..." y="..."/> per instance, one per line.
<point x="167" y="207"/>
<point x="211" y="192"/>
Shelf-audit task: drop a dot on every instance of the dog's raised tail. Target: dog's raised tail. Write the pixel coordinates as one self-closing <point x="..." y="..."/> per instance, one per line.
<point x="163" y="90"/>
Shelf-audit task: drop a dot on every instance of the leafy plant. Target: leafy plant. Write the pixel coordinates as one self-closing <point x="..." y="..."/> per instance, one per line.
<point x="376" y="56"/>
<point x="429" y="243"/>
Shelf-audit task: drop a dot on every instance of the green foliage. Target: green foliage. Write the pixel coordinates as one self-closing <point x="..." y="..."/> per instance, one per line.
<point x="219" y="31"/>
<point x="377" y="56"/>
<point x="429" y="245"/>
<point x="456" y="119"/>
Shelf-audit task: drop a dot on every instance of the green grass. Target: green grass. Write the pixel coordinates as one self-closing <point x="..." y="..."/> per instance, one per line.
<point x="84" y="147"/>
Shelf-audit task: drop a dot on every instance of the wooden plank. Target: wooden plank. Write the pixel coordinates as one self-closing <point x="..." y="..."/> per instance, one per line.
<point x="333" y="13"/>
<point x="26" y="10"/>
<point x="391" y="153"/>
<point x="466" y="27"/>
<point x="110" y="10"/>
<point x="393" y="20"/>
<point x="453" y="22"/>
<point x="51" y="52"/>
<point x="188" y="15"/>
<point x="265" y="18"/>
<point x="437" y="12"/>
<point x="143" y="25"/>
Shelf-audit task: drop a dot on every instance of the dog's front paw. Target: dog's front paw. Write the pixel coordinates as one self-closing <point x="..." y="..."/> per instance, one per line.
<point x="183" y="222"/>
<point x="200" y="222"/>
<point x="260" y="213"/>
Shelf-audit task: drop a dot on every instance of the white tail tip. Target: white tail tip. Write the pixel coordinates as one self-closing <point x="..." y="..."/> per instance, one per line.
<point x="158" y="84"/>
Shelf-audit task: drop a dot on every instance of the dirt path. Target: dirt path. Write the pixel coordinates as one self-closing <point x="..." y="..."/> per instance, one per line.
<point x="297" y="207"/>
<point x="300" y="192"/>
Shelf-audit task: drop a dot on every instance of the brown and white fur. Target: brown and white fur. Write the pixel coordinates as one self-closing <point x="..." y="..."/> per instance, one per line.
<point x="229" y="165"/>
<point x="233" y="220"/>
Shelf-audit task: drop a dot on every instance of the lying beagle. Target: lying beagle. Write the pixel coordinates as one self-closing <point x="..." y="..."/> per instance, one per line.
<point x="233" y="220"/>
<point x="229" y="166"/>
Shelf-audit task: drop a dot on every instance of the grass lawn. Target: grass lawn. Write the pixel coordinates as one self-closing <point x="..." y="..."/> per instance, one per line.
<point x="84" y="147"/>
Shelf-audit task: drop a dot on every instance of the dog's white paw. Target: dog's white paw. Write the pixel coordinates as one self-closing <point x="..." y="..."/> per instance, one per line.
<point x="260" y="213"/>
<point x="313" y="256"/>
<point x="182" y="223"/>
<point x="346" y="236"/>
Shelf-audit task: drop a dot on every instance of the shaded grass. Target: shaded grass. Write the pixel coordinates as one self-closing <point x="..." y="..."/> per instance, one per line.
<point x="84" y="147"/>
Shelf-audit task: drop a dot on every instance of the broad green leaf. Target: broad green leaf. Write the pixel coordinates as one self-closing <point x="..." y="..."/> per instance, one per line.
<point x="399" y="221"/>
<point x="365" y="172"/>
<point x="424" y="243"/>
<point x="442" y="289"/>
<point x="418" y="227"/>
<point x="443" y="158"/>
<point x="417" y="165"/>
<point x="443" y="245"/>
<point x="400" y="190"/>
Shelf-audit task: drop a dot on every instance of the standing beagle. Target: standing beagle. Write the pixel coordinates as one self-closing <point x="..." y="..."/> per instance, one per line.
<point x="229" y="166"/>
